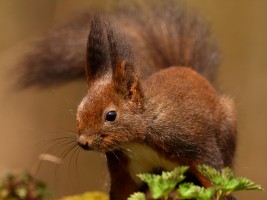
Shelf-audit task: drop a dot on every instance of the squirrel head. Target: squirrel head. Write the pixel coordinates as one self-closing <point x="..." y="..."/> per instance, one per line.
<point x="111" y="112"/>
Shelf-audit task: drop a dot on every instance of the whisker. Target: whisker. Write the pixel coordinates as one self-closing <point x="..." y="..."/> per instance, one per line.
<point x="64" y="153"/>
<point x="69" y="130"/>
<point x="51" y="132"/>
<point x="60" y="145"/>
<point x="129" y="152"/>
<point x="59" y="139"/>
<point x="68" y="150"/>
<point x="72" y="155"/>
<point x="76" y="161"/>
<point x="113" y="146"/>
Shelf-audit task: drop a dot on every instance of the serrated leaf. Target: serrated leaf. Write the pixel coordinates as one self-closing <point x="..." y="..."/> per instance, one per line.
<point x="161" y="185"/>
<point x="187" y="191"/>
<point x="225" y="183"/>
<point x="137" y="196"/>
<point x="231" y="185"/>
<point x="191" y="191"/>
<point x="227" y="173"/>
<point x="211" y="174"/>
<point x="206" y="193"/>
<point x="242" y="183"/>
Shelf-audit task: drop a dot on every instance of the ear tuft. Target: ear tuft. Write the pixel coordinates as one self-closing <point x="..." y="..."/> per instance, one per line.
<point x="108" y="52"/>
<point x="125" y="77"/>
<point x="98" y="60"/>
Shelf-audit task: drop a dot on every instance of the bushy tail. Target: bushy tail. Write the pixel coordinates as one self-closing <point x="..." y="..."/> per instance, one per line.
<point x="56" y="58"/>
<point x="171" y="36"/>
<point x="162" y="35"/>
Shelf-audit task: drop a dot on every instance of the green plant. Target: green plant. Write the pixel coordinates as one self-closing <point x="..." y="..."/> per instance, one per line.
<point x="21" y="187"/>
<point x="162" y="185"/>
<point x="25" y="186"/>
<point x="224" y="184"/>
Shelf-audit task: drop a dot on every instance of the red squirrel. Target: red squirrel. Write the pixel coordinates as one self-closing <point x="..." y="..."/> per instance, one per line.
<point x="166" y="116"/>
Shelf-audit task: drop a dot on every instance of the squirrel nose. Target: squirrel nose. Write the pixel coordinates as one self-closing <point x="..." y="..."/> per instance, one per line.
<point x="83" y="142"/>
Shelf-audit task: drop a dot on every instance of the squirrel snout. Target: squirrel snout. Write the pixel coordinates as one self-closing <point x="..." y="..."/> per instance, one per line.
<point x="82" y="141"/>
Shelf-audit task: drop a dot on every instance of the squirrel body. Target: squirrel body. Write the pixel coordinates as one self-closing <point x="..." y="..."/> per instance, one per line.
<point x="168" y="115"/>
<point x="181" y="121"/>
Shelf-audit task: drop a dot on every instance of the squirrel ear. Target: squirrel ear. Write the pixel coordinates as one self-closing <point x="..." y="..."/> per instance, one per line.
<point x="98" y="60"/>
<point x="124" y="75"/>
<point x="127" y="81"/>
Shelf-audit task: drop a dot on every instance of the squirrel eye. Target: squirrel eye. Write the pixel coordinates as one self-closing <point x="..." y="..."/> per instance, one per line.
<point x="111" y="116"/>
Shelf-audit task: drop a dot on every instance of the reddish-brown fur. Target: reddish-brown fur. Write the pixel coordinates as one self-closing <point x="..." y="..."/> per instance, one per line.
<point x="175" y="112"/>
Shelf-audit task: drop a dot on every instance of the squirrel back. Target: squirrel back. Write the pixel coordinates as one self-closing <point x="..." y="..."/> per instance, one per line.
<point x="161" y="35"/>
<point x="173" y="117"/>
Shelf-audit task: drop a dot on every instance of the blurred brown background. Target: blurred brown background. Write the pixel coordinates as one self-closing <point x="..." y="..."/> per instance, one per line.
<point x="28" y="118"/>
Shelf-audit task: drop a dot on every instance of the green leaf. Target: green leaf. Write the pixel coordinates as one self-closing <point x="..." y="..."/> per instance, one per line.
<point x="224" y="182"/>
<point x="212" y="174"/>
<point x="191" y="191"/>
<point x="161" y="185"/>
<point x="206" y="193"/>
<point x="137" y="196"/>
<point x="241" y="183"/>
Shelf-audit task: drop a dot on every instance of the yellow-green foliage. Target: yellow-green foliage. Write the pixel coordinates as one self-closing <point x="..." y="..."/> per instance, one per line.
<point x="88" y="196"/>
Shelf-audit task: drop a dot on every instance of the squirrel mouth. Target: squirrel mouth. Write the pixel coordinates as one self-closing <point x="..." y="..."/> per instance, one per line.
<point x="82" y="141"/>
<point x="85" y="146"/>
<point x="93" y="145"/>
